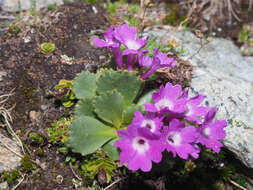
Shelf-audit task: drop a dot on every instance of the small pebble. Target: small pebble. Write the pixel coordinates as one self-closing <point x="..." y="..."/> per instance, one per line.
<point x="102" y="57"/>
<point x="59" y="179"/>
<point x="34" y="116"/>
<point x="43" y="107"/>
<point x="94" y="9"/>
<point x="4" y="185"/>
<point x="27" y="39"/>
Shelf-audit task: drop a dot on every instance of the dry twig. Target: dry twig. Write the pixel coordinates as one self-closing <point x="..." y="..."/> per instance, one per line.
<point x="213" y="9"/>
<point x="109" y="186"/>
<point x="237" y="185"/>
<point x="7" y="117"/>
<point x="74" y="173"/>
<point x="20" y="181"/>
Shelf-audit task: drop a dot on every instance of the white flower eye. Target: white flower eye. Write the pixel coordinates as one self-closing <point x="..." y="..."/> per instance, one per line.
<point x="132" y="45"/>
<point x="140" y="144"/>
<point x="150" y="124"/>
<point x="163" y="103"/>
<point x="206" y="132"/>
<point x="174" y="138"/>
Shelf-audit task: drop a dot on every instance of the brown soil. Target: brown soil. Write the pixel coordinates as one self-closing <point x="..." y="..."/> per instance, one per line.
<point x="34" y="75"/>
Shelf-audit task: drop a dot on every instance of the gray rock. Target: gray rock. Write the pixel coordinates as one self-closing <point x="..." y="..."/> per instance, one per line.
<point x="8" y="159"/>
<point x="4" y="185"/>
<point x="225" y="77"/>
<point x="249" y="59"/>
<point x="249" y="186"/>
<point x="17" y="5"/>
<point x="2" y="74"/>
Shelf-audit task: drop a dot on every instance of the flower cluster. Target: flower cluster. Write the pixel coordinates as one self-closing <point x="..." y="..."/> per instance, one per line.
<point x="173" y="122"/>
<point x="125" y="35"/>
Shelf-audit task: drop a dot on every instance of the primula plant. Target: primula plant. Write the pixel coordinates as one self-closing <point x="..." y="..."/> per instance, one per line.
<point x="47" y="48"/>
<point x="114" y="115"/>
<point x="106" y="104"/>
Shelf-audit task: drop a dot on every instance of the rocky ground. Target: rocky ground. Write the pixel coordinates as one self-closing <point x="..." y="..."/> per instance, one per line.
<point x="30" y="76"/>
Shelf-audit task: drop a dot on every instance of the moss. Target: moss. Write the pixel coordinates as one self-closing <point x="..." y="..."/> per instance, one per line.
<point x="11" y="177"/>
<point x="40" y="151"/>
<point x="36" y="138"/>
<point x="51" y="7"/>
<point x="26" y="164"/>
<point x="28" y="92"/>
<point x="13" y="29"/>
<point x="59" y="130"/>
<point x="238" y="123"/>
<point x="174" y="18"/>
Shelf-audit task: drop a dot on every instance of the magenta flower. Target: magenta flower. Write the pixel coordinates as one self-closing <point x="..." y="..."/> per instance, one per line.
<point x="194" y="111"/>
<point x="127" y="35"/>
<point x="167" y="99"/>
<point x="179" y="139"/>
<point x="143" y="60"/>
<point x="139" y="147"/>
<point x="195" y="153"/>
<point x="111" y="43"/>
<point x="150" y="121"/>
<point x="212" y="132"/>
<point x="160" y="60"/>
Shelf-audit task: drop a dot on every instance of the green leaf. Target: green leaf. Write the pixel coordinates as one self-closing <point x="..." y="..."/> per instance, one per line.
<point x="64" y="84"/>
<point x="85" y="85"/>
<point x="84" y="107"/>
<point x="87" y="134"/>
<point x="92" y="167"/>
<point x="109" y="107"/>
<point x="146" y="98"/>
<point x="63" y="150"/>
<point x="111" y="150"/>
<point x="47" y="48"/>
<point x="126" y="83"/>
<point x="244" y="35"/>
<point x="67" y="104"/>
<point x="128" y="113"/>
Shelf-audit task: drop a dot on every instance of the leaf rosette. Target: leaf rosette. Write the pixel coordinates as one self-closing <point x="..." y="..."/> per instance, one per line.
<point x="106" y="104"/>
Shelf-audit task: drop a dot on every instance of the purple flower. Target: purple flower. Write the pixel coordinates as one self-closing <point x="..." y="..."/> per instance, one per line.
<point x="167" y="100"/>
<point x="195" y="153"/>
<point x="150" y="121"/>
<point x="160" y="60"/>
<point x="180" y="140"/>
<point x="139" y="147"/>
<point x="111" y="43"/>
<point x="194" y="111"/>
<point x="127" y="35"/>
<point x="144" y="61"/>
<point x="212" y="132"/>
